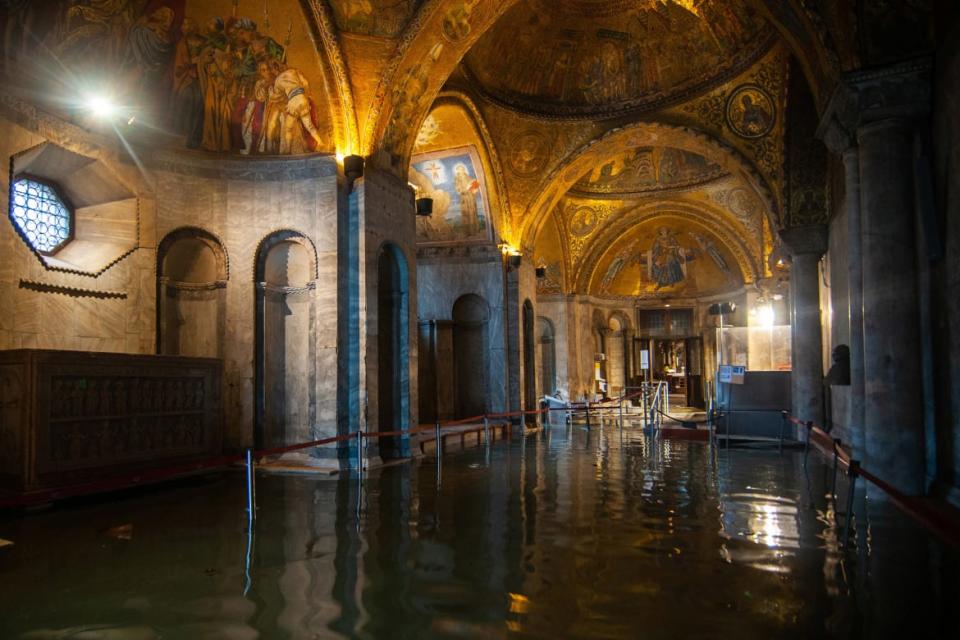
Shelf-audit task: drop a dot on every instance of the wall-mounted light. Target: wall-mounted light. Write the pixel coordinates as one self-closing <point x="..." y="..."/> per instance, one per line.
<point x="424" y="207"/>
<point x="541" y="271"/>
<point x="515" y="260"/>
<point x="722" y="308"/>
<point x="353" y="167"/>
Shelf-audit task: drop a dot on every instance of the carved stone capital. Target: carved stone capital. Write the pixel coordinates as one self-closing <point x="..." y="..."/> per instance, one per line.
<point x="898" y="91"/>
<point x="902" y="90"/>
<point x="806" y="239"/>
<point x="838" y="125"/>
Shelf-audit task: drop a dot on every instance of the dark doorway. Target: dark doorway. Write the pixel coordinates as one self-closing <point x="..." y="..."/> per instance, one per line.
<point x="694" y="348"/>
<point x="548" y="356"/>
<point x="471" y="315"/>
<point x="392" y="372"/>
<point x="529" y="358"/>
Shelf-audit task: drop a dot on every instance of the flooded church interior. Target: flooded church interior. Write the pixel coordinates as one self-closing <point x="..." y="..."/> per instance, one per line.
<point x="479" y="319"/>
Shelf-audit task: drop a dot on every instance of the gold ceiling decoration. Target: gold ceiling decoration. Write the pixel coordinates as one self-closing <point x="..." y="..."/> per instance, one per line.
<point x="589" y="57"/>
<point x="648" y="169"/>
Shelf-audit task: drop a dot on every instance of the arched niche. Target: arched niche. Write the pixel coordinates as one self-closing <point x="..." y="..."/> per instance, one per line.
<point x="285" y="385"/>
<point x="192" y="272"/>
<point x="529" y="357"/>
<point x="546" y="338"/>
<point x="471" y="359"/>
<point x="393" y="356"/>
<point x="618" y="343"/>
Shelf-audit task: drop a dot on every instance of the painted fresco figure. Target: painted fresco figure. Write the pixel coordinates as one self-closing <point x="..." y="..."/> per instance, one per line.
<point x="150" y="49"/>
<point x="617" y="265"/>
<point x="187" y="93"/>
<point x="755" y="118"/>
<point x="258" y="113"/>
<point x="667" y="259"/>
<point x="466" y="187"/>
<point x="97" y="26"/>
<point x="298" y="129"/>
<point x="215" y="71"/>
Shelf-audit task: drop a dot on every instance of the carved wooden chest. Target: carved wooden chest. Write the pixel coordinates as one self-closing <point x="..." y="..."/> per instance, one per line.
<point x="72" y="417"/>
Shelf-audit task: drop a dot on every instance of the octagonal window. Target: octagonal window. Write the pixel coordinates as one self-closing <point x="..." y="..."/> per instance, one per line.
<point x="42" y="215"/>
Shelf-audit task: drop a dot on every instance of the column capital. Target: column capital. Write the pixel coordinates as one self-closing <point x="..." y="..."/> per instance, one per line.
<point x="898" y="91"/>
<point x="806" y="239"/>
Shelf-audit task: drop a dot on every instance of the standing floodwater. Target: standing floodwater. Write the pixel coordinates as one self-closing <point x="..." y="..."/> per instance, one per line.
<point x="568" y="534"/>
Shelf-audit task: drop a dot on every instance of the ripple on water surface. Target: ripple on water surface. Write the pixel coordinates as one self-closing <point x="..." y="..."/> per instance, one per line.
<point x="566" y="534"/>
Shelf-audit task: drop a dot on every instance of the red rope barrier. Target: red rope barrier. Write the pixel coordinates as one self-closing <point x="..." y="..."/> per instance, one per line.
<point x="944" y="528"/>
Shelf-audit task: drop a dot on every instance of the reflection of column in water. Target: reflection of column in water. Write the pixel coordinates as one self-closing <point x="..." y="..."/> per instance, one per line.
<point x="346" y="586"/>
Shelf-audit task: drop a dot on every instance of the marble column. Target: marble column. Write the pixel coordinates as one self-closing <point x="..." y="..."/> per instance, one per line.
<point x="851" y="165"/>
<point x="807" y="245"/>
<point x="893" y="411"/>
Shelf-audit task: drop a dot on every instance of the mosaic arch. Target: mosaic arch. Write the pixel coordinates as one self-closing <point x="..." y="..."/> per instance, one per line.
<point x="665" y="256"/>
<point x="617" y="142"/>
<point x="742" y="258"/>
<point x="454" y="129"/>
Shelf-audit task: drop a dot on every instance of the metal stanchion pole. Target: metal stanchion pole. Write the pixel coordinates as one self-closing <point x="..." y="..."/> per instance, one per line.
<point x="853" y="471"/>
<point x="588" y="415"/>
<point x="621" y="412"/>
<point x="251" y="490"/>
<point x="783" y="424"/>
<point x="251" y="514"/>
<point x="523" y="422"/>
<point x="360" y="454"/>
<point x="836" y="460"/>
<point x="439" y="448"/>
<point x="643" y="406"/>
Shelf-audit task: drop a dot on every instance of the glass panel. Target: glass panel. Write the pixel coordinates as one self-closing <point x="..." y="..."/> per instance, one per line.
<point x="43" y="218"/>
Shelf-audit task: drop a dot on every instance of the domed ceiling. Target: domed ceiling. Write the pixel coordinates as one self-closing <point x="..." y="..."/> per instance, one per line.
<point x="584" y="57"/>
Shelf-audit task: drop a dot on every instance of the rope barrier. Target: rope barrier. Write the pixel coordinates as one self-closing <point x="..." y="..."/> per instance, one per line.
<point x="936" y="522"/>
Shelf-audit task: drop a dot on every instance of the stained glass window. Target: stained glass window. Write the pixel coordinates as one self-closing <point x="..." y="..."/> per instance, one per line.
<point x="43" y="217"/>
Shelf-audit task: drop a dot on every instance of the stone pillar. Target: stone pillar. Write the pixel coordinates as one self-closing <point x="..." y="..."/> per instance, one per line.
<point x="893" y="411"/>
<point x="838" y="132"/>
<point x="851" y="165"/>
<point x="807" y="245"/>
<point x="628" y="372"/>
<point x="871" y="119"/>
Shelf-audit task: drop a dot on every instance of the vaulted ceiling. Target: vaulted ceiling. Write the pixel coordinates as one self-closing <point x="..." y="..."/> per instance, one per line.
<point x="588" y="125"/>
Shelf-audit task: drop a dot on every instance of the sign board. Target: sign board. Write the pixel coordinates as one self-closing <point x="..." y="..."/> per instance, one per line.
<point x="731" y="374"/>
<point x="644" y="359"/>
<point x="737" y="373"/>
<point x="725" y="373"/>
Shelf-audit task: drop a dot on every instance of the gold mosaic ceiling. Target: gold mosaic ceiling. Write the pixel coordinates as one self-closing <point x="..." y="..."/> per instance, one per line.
<point x="583" y="57"/>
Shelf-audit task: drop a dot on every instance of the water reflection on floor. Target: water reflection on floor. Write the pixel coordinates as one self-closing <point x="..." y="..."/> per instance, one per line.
<point x="567" y="534"/>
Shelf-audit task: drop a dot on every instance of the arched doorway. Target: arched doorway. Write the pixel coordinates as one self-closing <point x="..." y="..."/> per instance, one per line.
<point x="618" y="352"/>
<point x="285" y="386"/>
<point x="529" y="358"/>
<point x="548" y="356"/>
<point x="471" y="316"/>
<point x="191" y="282"/>
<point x="393" y="378"/>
